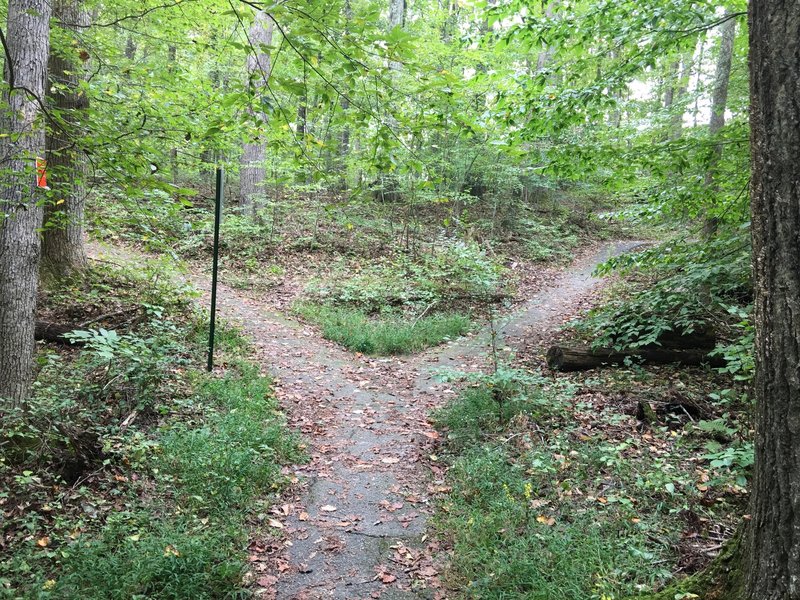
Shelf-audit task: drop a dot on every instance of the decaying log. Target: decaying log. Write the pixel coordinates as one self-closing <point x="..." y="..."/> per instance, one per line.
<point x="697" y="339"/>
<point x="579" y="358"/>
<point x="53" y="332"/>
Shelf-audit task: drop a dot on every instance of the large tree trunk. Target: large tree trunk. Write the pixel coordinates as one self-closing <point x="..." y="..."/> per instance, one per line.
<point x="719" y="103"/>
<point x="63" y="250"/>
<point x="253" y="172"/>
<point x="773" y="571"/>
<point x="28" y="37"/>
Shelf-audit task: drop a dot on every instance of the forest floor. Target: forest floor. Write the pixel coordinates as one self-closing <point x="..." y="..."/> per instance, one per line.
<point x="354" y="525"/>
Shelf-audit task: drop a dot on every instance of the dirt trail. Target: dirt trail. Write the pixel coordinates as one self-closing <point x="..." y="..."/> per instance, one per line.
<point x="355" y="527"/>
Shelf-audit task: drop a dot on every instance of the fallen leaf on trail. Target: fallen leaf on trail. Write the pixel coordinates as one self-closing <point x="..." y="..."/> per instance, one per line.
<point x="328" y="508"/>
<point x="303" y="516"/>
<point x="43" y="542"/>
<point x="387" y="577"/>
<point x="275" y="523"/>
<point x="267" y="581"/>
<point x="549" y="521"/>
<point x="171" y="550"/>
<point x="428" y="572"/>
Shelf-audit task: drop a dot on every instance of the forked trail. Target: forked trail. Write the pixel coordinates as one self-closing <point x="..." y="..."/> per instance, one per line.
<point x="354" y="526"/>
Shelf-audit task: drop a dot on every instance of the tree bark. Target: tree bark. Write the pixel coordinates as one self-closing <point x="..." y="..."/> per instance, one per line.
<point x="28" y="37"/>
<point x="773" y="557"/>
<point x="63" y="250"/>
<point x="253" y="172"/>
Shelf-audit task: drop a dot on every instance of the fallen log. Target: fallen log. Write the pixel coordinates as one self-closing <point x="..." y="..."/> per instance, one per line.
<point x="53" y="332"/>
<point x="580" y="358"/>
<point x="705" y="338"/>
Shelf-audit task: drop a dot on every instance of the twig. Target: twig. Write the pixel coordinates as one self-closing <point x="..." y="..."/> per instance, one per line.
<point x="423" y="313"/>
<point x="108" y="315"/>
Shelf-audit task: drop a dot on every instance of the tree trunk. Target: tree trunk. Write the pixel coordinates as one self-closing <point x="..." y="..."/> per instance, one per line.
<point x="130" y="48"/>
<point x="344" y="139"/>
<point x="397" y="18"/>
<point x="773" y="571"/>
<point x="546" y="55"/>
<point x="63" y="250"/>
<point x="28" y="37"/>
<point x="253" y="172"/>
<point x="698" y="87"/>
<point x="719" y="102"/>
<point x="679" y="101"/>
<point x="397" y="13"/>
<point x="172" y="60"/>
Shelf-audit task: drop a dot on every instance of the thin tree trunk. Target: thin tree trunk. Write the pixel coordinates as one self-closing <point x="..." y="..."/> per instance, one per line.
<point x="699" y="83"/>
<point x="63" y="250"/>
<point x="397" y="18"/>
<point x="172" y="59"/>
<point x="719" y="102"/>
<point x="344" y="140"/>
<point x="130" y="48"/>
<point x="681" y="88"/>
<point x="254" y="152"/>
<point x="546" y="55"/>
<point x="773" y="560"/>
<point x="28" y="37"/>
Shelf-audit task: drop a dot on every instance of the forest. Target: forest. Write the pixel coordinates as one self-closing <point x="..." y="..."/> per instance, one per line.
<point x="400" y="299"/>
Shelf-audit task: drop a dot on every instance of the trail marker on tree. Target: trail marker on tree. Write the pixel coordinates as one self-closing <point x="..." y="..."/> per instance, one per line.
<point x="214" y="268"/>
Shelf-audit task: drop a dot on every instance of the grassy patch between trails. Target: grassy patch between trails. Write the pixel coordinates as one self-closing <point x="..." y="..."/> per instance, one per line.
<point x="383" y="335"/>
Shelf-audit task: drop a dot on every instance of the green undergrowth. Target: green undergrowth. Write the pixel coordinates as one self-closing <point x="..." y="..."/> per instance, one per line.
<point x="132" y="473"/>
<point x="383" y="335"/>
<point x="556" y="491"/>
<point x="406" y="303"/>
<point x="682" y="287"/>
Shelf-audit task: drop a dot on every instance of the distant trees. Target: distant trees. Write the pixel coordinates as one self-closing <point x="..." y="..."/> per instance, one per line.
<point x="26" y="46"/>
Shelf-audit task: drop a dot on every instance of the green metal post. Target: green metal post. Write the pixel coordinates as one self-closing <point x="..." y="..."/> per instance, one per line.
<point x="214" y="267"/>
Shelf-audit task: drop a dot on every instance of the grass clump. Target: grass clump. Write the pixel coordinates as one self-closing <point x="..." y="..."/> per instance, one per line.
<point x="235" y="453"/>
<point x="169" y="559"/>
<point x="383" y="335"/>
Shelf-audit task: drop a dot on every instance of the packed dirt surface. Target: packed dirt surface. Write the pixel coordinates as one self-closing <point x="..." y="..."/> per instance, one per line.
<point x="354" y="525"/>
